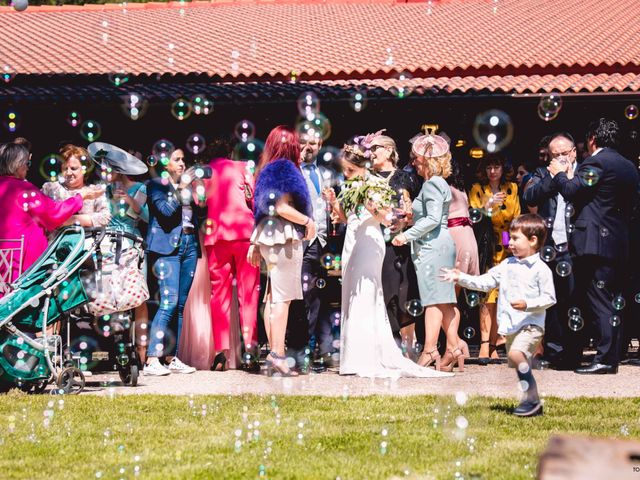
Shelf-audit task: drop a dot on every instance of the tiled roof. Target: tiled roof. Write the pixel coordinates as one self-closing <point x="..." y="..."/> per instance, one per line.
<point x="511" y="46"/>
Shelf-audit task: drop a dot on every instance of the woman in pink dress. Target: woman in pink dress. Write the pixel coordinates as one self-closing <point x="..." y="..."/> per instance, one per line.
<point x="27" y="212"/>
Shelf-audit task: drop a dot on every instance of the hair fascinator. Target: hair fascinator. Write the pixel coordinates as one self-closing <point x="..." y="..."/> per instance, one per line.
<point x="430" y="146"/>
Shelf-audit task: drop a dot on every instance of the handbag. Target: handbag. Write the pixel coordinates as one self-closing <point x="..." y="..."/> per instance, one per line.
<point x="119" y="285"/>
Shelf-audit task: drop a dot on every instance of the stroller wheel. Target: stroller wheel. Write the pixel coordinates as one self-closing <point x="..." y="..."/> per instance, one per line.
<point x="71" y="381"/>
<point x="35" y="387"/>
<point x="129" y="376"/>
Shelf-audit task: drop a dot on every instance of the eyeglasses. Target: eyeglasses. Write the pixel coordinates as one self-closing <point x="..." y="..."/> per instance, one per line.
<point x="375" y="147"/>
<point x="28" y="163"/>
<point x="563" y="154"/>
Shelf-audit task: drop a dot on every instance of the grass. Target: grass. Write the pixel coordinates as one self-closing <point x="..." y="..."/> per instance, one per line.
<point x="288" y="437"/>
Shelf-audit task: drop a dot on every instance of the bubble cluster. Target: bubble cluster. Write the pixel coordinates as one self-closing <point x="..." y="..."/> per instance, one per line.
<point x="201" y="105"/>
<point x="493" y="130"/>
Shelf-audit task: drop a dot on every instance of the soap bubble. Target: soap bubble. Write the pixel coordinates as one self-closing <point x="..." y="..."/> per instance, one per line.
<point x="308" y="105"/>
<point x="134" y="106"/>
<point x="358" y="101"/>
<point x="318" y="128"/>
<point x="574" y="311"/>
<point x="548" y="253"/>
<point x="119" y="78"/>
<point x="576" y="323"/>
<point x="615" y="320"/>
<point x="469" y="333"/>
<point x="473" y="299"/>
<point x="201" y="105"/>
<point x="414" y="307"/>
<point x="588" y="176"/>
<point x="563" y="269"/>
<point x="195" y="143"/>
<point x="90" y="130"/>
<point x="493" y="130"/>
<point x="475" y="215"/>
<point x="245" y="130"/>
<point x="631" y="112"/>
<point x="162" y="150"/>
<point x="619" y="302"/>
<point x="74" y="119"/>
<point x="402" y="85"/>
<point x="321" y="283"/>
<point x="181" y="109"/>
<point x="549" y="107"/>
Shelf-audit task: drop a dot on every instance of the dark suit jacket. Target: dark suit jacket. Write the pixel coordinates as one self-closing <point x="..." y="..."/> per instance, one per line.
<point x="165" y="218"/>
<point x="540" y="191"/>
<point x="603" y="209"/>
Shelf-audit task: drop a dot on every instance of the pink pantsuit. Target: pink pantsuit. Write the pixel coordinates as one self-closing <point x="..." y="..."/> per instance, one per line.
<point x="27" y="212"/>
<point x="227" y="232"/>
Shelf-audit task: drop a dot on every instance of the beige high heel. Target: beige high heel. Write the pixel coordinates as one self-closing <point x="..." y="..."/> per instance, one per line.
<point x="427" y="358"/>
<point x="451" y="358"/>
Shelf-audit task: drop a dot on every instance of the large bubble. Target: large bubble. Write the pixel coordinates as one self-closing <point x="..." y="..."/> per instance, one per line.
<point x="90" y="130"/>
<point x="181" y="109"/>
<point x="549" y="107"/>
<point x="245" y="130"/>
<point x="319" y="128"/>
<point x="196" y="143"/>
<point x="493" y="130"/>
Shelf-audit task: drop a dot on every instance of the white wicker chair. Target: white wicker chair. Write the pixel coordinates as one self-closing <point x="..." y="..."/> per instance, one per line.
<point x="12" y="249"/>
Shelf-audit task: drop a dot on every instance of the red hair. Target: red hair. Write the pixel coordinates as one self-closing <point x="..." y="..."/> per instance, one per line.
<point x="282" y="142"/>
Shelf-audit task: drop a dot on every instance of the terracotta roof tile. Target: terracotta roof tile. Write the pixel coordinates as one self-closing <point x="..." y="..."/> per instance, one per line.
<point x="518" y="45"/>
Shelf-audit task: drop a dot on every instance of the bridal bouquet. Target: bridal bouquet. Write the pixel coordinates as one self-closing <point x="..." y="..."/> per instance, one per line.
<point x="372" y="191"/>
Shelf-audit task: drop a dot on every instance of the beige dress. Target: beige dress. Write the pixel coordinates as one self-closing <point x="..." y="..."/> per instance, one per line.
<point x="281" y="247"/>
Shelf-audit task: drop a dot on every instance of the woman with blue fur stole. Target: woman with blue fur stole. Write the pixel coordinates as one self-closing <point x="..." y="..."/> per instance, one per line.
<point x="284" y="219"/>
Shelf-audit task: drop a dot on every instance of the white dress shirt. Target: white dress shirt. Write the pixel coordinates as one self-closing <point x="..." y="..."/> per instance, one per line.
<point x="559" y="231"/>
<point x="528" y="279"/>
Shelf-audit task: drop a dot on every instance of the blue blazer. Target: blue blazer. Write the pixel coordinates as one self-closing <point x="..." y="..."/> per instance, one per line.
<point x="604" y="192"/>
<point x="165" y="218"/>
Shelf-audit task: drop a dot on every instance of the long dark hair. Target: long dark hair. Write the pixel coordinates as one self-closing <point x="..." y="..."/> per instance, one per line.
<point x="494" y="159"/>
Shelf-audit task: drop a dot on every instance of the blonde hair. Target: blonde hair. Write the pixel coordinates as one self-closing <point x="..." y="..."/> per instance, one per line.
<point x="386" y="141"/>
<point x="440" y="166"/>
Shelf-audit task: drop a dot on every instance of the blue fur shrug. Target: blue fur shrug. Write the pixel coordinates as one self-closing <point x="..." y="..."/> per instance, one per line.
<point x="280" y="177"/>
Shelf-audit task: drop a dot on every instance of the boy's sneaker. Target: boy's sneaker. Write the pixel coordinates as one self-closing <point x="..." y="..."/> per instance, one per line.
<point x="156" y="369"/>
<point x="176" y="366"/>
<point x="528" y="409"/>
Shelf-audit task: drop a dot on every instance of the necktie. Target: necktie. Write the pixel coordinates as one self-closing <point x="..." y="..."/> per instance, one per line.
<point x="313" y="175"/>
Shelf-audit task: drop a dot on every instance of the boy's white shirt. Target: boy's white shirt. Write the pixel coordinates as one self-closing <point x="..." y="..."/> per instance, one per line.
<point x="528" y="279"/>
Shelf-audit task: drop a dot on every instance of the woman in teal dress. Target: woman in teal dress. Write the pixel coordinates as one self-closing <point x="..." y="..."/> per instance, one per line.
<point x="432" y="248"/>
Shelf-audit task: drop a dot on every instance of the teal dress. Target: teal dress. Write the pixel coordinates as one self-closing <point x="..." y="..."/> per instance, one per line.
<point x="432" y="247"/>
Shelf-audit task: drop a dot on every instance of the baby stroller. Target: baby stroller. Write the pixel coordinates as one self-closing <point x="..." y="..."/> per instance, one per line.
<point x="68" y="276"/>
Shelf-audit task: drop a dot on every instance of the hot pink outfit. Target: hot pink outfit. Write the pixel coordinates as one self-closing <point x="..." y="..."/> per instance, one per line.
<point x="227" y="231"/>
<point x="27" y="212"/>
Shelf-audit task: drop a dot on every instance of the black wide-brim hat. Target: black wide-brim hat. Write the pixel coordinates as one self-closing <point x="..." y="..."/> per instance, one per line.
<point x="107" y="155"/>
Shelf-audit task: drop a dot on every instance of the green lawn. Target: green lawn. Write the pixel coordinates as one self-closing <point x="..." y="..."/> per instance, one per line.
<point x="289" y="437"/>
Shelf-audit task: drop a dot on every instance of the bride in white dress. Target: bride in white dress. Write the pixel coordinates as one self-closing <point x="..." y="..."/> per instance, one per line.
<point x="367" y="347"/>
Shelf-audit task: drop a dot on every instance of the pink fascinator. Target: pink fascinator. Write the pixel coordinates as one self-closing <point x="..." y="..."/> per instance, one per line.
<point x="430" y="146"/>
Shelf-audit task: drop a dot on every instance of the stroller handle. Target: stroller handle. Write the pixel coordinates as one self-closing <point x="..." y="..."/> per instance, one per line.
<point x="100" y="232"/>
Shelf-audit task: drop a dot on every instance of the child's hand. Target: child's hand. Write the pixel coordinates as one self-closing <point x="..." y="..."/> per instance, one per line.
<point x="519" y="305"/>
<point x="449" y="274"/>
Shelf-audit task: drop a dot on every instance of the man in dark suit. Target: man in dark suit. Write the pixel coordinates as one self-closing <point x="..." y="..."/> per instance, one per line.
<point x="603" y="193"/>
<point x="542" y="192"/>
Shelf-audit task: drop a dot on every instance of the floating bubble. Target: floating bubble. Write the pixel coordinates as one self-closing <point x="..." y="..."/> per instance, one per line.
<point x="249" y="151"/>
<point x="319" y="128"/>
<point x="493" y="130"/>
<point x="402" y="85"/>
<point x="90" y="130"/>
<point x="574" y="311"/>
<point x="604" y="231"/>
<point x="19" y="5"/>
<point x="152" y="160"/>
<point x="569" y="211"/>
<point x="549" y="107"/>
<point x="549" y="222"/>
<point x="245" y="130"/>
<point x="119" y="78"/>
<point x="414" y="307"/>
<point x="162" y="150"/>
<point x="358" y="101"/>
<point x="134" y="106"/>
<point x="201" y="105"/>
<point x="321" y="283"/>
<point x="576" y="323"/>
<point x="161" y="269"/>
<point x="469" y="333"/>
<point x="308" y="105"/>
<point x="600" y="284"/>
<point x="473" y="299"/>
<point x="50" y="166"/>
<point x="475" y="215"/>
<point x="327" y="261"/>
<point x="563" y="269"/>
<point x="195" y="143"/>
<point x="588" y="176"/>
<point x="548" y="253"/>
<point x="631" y="112"/>
<point x="619" y="302"/>
<point x="637" y="297"/>
<point x="181" y="109"/>
<point x="615" y="320"/>
<point x="329" y="155"/>
<point x="74" y="119"/>
<point x="7" y="74"/>
<point x="12" y="120"/>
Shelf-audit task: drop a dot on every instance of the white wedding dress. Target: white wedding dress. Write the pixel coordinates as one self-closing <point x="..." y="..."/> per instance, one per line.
<point x="367" y="346"/>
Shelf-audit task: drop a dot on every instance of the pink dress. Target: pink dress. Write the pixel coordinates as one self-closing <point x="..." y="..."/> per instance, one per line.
<point x="462" y="233"/>
<point x="28" y="213"/>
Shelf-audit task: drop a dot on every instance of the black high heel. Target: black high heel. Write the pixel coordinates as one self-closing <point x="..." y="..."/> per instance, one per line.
<point x="221" y="360"/>
<point x="277" y="365"/>
<point x="484" y="361"/>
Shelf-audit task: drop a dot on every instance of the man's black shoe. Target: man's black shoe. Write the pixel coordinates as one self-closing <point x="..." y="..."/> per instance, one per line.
<point x="597" y="369"/>
<point x="528" y="409"/>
